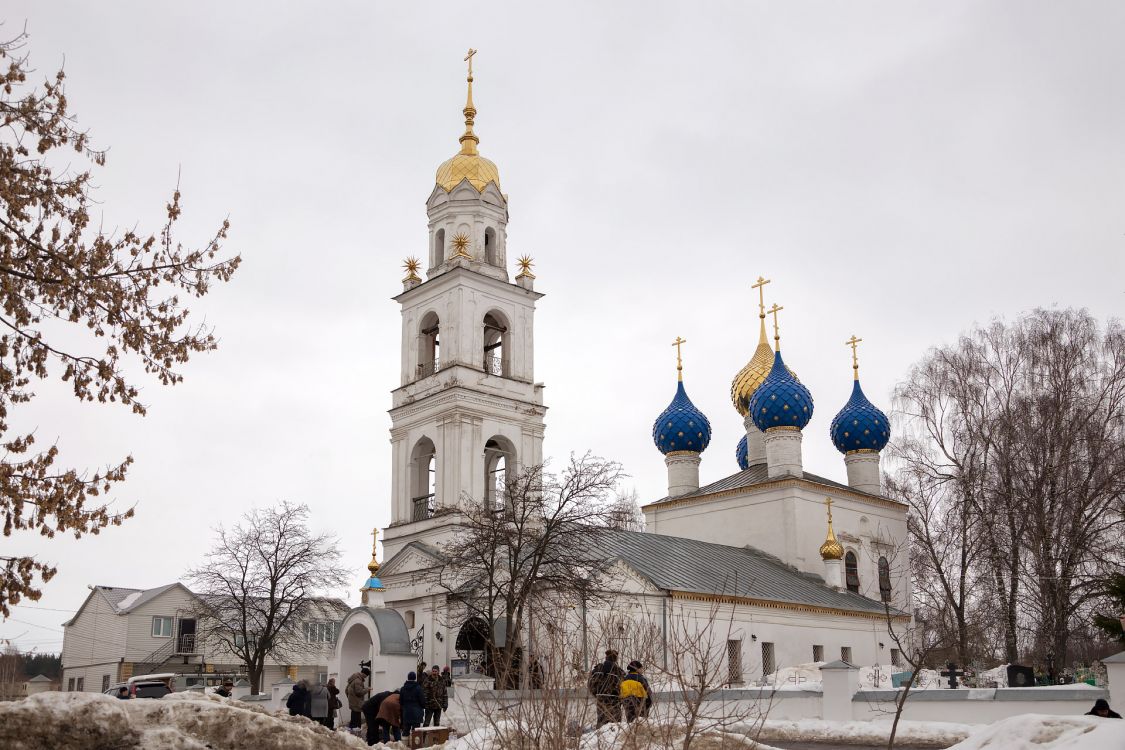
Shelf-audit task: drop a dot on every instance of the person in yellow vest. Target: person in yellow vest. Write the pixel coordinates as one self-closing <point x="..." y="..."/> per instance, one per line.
<point x="635" y="698"/>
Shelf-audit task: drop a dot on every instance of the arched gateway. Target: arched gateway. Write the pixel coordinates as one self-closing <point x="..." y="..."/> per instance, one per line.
<point x="378" y="636"/>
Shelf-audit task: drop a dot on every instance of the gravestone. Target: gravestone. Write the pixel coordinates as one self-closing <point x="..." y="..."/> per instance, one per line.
<point x="1020" y="676"/>
<point x="899" y="679"/>
<point x="952" y="672"/>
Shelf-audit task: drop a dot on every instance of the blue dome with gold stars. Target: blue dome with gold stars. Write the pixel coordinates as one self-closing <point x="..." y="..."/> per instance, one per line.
<point x="781" y="400"/>
<point x="860" y="425"/>
<point x="740" y="454"/>
<point x="681" y="427"/>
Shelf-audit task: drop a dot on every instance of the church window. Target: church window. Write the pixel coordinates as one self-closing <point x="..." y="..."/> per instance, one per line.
<point x="423" y="480"/>
<point x="495" y="344"/>
<point x="896" y="657"/>
<point x="429" y="346"/>
<point x="490" y="252"/>
<point x="408" y="616"/>
<point x="846" y="654"/>
<point x="499" y="457"/>
<point x="438" y="254"/>
<point x="818" y="653"/>
<point x="769" y="664"/>
<point x="851" y="573"/>
<point x="884" y="579"/>
<point x="734" y="661"/>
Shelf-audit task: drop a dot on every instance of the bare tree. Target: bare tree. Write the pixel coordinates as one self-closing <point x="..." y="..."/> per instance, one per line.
<point x="79" y="301"/>
<point x="537" y="538"/>
<point x="261" y="582"/>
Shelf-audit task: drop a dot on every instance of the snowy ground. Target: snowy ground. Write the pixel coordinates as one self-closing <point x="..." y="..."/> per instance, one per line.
<point x="807" y="677"/>
<point x="909" y="733"/>
<point x="1039" y="732"/>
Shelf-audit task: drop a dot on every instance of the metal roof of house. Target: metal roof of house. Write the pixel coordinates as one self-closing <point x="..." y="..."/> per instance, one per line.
<point x="691" y="566"/>
<point x="758" y="474"/>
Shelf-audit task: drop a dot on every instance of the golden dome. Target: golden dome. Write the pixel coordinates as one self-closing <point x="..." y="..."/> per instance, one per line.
<point x="476" y="168"/>
<point x="468" y="164"/>
<point x="373" y="566"/>
<point x="753" y="374"/>
<point x="831" y="549"/>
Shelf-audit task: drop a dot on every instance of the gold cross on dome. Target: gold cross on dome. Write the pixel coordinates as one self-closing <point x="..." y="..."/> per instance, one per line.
<point x="679" y="359"/>
<point x="760" y="286"/>
<point x="776" y="330"/>
<point x="828" y="502"/>
<point x="853" y="342"/>
<point x="374" y="539"/>
<point x="469" y="60"/>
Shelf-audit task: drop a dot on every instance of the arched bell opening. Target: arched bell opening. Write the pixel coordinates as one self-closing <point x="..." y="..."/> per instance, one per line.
<point x="423" y="480"/>
<point x="496" y="340"/>
<point x="499" y="459"/>
<point x="429" y="345"/>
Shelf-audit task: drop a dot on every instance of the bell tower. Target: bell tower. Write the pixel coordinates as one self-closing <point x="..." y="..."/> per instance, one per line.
<point x="468" y="409"/>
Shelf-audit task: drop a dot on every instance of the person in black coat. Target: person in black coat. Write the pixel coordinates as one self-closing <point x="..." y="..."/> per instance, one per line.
<point x="300" y="700"/>
<point x="1101" y="708"/>
<point x="413" y="704"/>
<point x="604" y="684"/>
<point x="376" y="728"/>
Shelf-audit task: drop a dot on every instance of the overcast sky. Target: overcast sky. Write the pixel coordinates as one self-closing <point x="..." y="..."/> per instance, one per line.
<point x="900" y="170"/>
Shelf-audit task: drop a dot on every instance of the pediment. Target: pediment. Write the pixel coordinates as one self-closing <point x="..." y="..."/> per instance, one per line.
<point x="464" y="191"/>
<point x="491" y="194"/>
<point x="411" y="558"/>
<point x="437" y="197"/>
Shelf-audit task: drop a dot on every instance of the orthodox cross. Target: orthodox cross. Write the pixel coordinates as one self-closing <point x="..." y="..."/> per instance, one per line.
<point x="853" y="342"/>
<point x="469" y="60"/>
<point x="776" y="332"/>
<point x="679" y="359"/>
<point x="759" y="285"/>
<point x="952" y="672"/>
<point x="374" y="539"/>
<point x="828" y="502"/>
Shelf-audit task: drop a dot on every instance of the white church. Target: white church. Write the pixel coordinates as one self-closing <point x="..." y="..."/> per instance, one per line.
<point x="801" y="566"/>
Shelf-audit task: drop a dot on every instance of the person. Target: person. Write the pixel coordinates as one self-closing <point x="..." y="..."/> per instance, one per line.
<point x="389" y="716"/>
<point x="437" y="698"/>
<point x="333" y="702"/>
<point x="413" y="702"/>
<point x="635" y="695"/>
<point x="225" y="689"/>
<point x="447" y="676"/>
<point x="123" y="692"/>
<point x="376" y="727"/>
<point x="357" y="692"/>
<point x="605" y="684"/>
<point x="1101" y="708"/>
<point x="299" y="702"/>
<point x="319" y="704"/>
<point x="423" y="675"/>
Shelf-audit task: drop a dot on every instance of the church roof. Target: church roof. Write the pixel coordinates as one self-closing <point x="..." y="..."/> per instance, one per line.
<point x="758" y="474"/>
<point x="691" y="566"/>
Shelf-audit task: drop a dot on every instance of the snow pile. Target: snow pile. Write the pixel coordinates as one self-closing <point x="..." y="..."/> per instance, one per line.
<point x="641" y="735"/>
<point x="800" y="677"/>
<point x="997" y="676"/>
<point x="1041" y="732"/>
<point x="181" y="721"/>
<point x="913" y="733"/>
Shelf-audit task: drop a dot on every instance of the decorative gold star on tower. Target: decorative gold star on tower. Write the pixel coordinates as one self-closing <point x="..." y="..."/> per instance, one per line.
<point x="525" y="267"/>
<point x="461" y="243"/>
<point x="411" y="265"/>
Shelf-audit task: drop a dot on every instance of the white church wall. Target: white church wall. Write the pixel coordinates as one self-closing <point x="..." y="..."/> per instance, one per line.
<point x="737" y="520"/>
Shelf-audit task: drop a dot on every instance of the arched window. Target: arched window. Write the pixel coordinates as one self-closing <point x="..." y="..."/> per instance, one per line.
<point x="409" y="618"/>
<point x="423" y="480"/>
<point x="499" y="459"/>
<point x="490" y="252"/>
<point x="495" y="344"/>
<point x="851" y="572"/>
<point x="884" y="579"/>
<point x="437" y="255"/>
<point x="429" y="346"/>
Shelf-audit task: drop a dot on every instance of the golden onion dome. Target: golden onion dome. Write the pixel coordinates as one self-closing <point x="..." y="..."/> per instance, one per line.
<point x="753" y="374"/>
<point x="831" y="549"/>
<point x="468" y="164"/>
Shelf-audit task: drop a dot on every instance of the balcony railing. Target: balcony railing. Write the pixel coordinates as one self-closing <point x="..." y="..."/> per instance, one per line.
<point x="494" y="365"/>
<point x="428" y="368"/>
<point x="185" y="644"/>
<point x="423" y="507"/>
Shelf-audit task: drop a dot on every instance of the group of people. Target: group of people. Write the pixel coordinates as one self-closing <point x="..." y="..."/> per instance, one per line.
<point x="615" y="689"/>
<point x="391" y="714"/>
<point x="317" y="702"/>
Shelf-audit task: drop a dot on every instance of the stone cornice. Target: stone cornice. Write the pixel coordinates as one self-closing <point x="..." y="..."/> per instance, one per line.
<point x="455" y="272"/>
<point x="773" y="484"/>
<point x="464" y="395"/>
<point x="790" y="606"/>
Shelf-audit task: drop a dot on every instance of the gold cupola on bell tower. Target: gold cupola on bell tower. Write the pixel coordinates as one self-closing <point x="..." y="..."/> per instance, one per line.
<point x="468" y="164"/>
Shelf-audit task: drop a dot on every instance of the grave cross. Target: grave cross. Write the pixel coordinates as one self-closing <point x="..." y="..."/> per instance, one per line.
<point x="952" y="672"/>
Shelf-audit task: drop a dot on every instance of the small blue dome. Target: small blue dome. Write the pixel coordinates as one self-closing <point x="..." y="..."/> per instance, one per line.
<point x="740" y="454"/>
<point x="859" y="425"/>
<point x="373" y="583"/>
<point x="781" y="400"/>
<point x="681" y="427"/>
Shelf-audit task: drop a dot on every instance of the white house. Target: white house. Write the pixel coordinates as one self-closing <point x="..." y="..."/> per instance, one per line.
<point x="120" y="632"/>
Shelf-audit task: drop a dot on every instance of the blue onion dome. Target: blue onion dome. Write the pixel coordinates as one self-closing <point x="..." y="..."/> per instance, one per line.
<point x="681" y="427"/>
<point x="740" y="454"/>
<point x="860" y="425"/>
<point x="373" y="583"/>
<point x="781" y="401"/>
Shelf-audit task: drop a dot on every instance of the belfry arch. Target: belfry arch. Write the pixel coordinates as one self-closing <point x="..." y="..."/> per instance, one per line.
<point x="499" y="460"/>
<point x="423" y="480"/>
<point x="497" y="344"/>
<point x="429" y="345"/>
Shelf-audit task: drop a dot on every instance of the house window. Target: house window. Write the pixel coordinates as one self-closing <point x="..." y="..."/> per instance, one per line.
<point x="769" y="666"/>
<point x="734" y="661"/>
<point x="80" y="684"/>
<point x="851" y="572"/>
<point x="105" y="682"/>
<point x="884" y="579"/>
<point x="818" y="653"/>
<point x="161" y="627"/>
<point x="320" y="632"/>
<point x="846" y="654"/>
<point x="896" y="657"/>
<point x="70" y="685"/>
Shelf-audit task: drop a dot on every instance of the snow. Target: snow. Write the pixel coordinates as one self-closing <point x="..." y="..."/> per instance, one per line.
<point x="929" y="733"/>
<point x="808" y="677"/>
<point x="1041" y="732"/>
<point x="128" y="601"/>
<point x="181" y="721"/>
<point x="642" y="735"/>
<point x="997" y="675"/>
